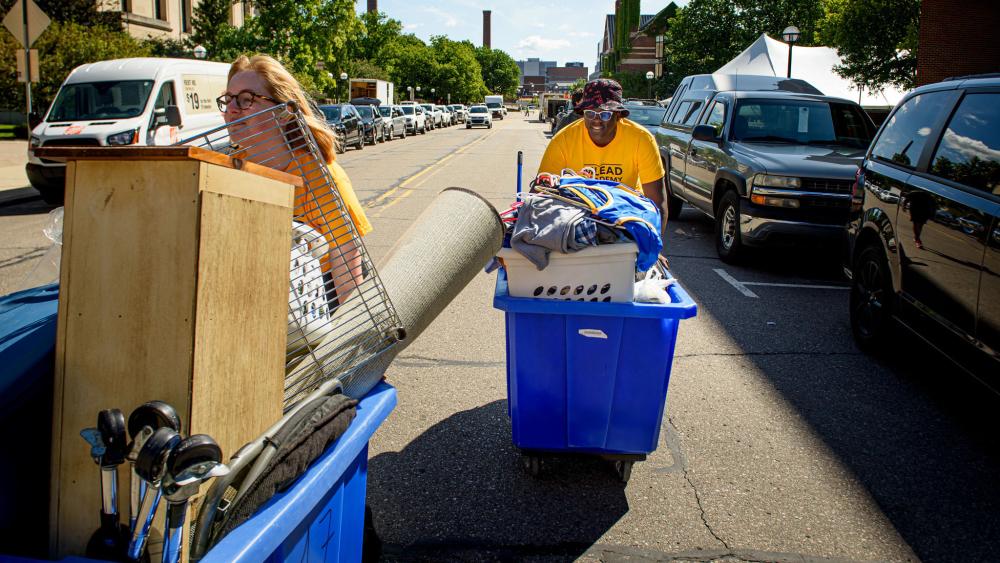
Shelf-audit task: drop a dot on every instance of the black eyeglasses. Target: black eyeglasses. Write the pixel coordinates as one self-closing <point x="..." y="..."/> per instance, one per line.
<point x="244" y="100"/>
<point x="604" y="115"/>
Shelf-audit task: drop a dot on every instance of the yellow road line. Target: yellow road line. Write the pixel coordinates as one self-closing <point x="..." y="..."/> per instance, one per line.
<point x="401" y="188"/>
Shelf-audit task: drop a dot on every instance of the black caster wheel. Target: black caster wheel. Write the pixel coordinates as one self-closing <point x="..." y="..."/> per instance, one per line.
<point x="111" y="424"/>
<point x="155" y="414"/>
<point x="532" y="464"/>
<point x="624" y="470"/>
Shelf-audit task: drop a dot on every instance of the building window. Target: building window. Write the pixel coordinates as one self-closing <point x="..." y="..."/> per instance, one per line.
<point x="158" y="11"/>
<point x="185" y="16"/>
<point x="125" y="6"/>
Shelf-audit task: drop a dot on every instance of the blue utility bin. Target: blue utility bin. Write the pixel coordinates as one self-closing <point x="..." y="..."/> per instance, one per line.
<point x="589" y="377"/>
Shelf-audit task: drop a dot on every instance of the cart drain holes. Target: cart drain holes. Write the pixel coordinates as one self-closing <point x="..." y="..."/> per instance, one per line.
<point x="578" y="290"/>
<point x="538" y="291"/>
<point x="593" y="333"/>
<point x="591" y="290"/>
<point x="564" y="290"/>
<point x="607" y="299"/>
<point x="606" y="288"/>
<point x="551" y="291"/>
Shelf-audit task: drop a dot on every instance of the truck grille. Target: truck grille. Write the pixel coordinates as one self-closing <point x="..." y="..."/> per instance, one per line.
<point x="81" y="142"/>
<point x="826" y="186"/>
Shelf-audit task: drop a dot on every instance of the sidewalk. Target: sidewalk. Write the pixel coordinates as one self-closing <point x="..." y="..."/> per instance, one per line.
<point x="13" y="157"/>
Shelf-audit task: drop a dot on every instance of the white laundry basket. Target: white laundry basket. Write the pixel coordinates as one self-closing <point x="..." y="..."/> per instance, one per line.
<point x="604" y="273"/>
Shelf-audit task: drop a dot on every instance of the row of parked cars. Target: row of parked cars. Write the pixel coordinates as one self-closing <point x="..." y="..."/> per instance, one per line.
<point x="914" y="203"/>
<point x="368" y="121"/>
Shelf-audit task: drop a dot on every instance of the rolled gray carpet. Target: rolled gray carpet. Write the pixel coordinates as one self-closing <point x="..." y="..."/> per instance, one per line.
<point x="444" y="248"/>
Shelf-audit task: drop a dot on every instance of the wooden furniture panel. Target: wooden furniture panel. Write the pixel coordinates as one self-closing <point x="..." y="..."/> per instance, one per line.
<point x="174" y="286"/>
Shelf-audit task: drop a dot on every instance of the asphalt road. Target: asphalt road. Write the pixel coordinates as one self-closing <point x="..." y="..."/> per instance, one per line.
<point x="781" y="441"/>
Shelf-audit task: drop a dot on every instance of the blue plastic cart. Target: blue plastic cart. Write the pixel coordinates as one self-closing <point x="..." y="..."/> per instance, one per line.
<point x="320" y="518"/>
<point x="589" y="377"/>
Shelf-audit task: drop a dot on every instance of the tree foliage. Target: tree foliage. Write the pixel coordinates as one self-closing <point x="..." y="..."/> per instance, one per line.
<point x="211" y="23"/>
<point x="61" y="48"/>
<point x="877" y="40"/>
<point x="707" y="34"/>
<point x="500" y="71"/>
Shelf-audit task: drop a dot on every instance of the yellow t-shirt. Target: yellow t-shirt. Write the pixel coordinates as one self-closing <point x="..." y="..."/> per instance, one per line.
<point x="630" y="158"/>
<point x="315" y="205"/>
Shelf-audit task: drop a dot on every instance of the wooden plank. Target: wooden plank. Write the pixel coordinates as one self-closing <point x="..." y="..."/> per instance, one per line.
<point x="127" y="312"/>
<point x="164" y="153"/>
<point x="242" y="305"/>
<point x="227" y="181"/>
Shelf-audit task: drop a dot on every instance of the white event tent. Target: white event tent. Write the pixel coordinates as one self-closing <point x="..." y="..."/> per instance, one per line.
<point x="769" y="57"/>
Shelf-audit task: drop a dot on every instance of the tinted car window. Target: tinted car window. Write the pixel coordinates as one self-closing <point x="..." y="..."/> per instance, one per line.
<point x="408" y="110"/>
<point x="364" y="111"/>
<point x="969" y="152"/>
<point x="909" y="129"/>
<point x="646" y="115"/>
<point x="681" y="114"/>
<point x="332" y="113"/>
<point x="800" y="122"/>
<point x="717" y="117"/>
<point x="692" y="113"/>
<point x="385" y="111"/>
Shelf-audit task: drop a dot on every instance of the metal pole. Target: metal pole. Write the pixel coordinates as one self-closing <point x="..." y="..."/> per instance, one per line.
<point x="790" y="44"/>
<point x="27" y="61"/>
<point x="520" y="165"/>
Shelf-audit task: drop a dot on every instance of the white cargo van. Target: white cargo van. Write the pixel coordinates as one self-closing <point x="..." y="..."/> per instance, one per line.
<point x="495" y="103"/>
<point x="143" y="101"/>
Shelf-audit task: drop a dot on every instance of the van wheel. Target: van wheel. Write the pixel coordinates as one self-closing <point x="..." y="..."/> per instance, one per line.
<point x="361" y="141"/>
<point x="871" y="300"/>
<point x="728" y="241"/>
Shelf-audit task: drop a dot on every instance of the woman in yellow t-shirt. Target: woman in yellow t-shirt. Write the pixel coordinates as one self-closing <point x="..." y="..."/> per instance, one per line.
<point x="261" y="82"/>
<point x="616" y="148"/>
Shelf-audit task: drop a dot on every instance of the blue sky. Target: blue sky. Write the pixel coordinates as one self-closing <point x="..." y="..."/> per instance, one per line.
<point x="551" y="30"/>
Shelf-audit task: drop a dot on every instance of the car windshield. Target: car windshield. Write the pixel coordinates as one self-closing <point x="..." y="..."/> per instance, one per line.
<point x="408" y="110"/>
<point x="385" y="111"/>
<point x="478" y="109"/>
<point x="801" y="122"/>
<point x="114" y="99"/>
<point x="455" y="107"/>
<point x="493" y="104"/>
<point x="365" y="111"/>
<point x="428" y="107"/>
<point x="646" y="115"/>
<point x="332" y="113"/>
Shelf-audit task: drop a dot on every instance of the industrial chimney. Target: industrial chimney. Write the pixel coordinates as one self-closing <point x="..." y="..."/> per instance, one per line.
<point x="486" y="29"/>
<point x="372" y="6"/>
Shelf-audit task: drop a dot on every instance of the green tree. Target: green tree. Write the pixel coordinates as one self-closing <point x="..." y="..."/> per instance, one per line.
<point x="211" y="24"/>
<point x="457" y="71"/>
<point x="877" y="40"/>
<point x="61" y="48"/>
<point x="376" y="33"/>
<point x="500" y="71"/>
<point x="707" y="34"/>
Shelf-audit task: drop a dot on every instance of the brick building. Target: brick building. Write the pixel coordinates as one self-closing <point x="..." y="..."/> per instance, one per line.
<point x="169" y="19"/>
<point x="957" y="38"/>
<point x="640" y="56"/>
<point x="561" y="78"/>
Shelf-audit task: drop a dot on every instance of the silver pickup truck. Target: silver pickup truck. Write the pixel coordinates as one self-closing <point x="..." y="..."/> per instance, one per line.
<point x="770" y="166"/>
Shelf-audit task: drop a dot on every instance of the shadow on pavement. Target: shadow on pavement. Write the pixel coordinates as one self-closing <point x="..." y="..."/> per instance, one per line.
<point x="458" y="492"/>
<point x="23" y="201"/>
<point x="918" y="434"/>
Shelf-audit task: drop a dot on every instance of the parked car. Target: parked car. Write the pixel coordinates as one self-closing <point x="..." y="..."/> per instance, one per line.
<point x="446" y="117"/>
<point x="479" y="115"/>
<point x="125" y="102"/>
<point x="371" y="122"/>
<point x="394" y="121"/>
<point x="460" y="112"/>
<point x="416" y="118"/>
<point x="649" y="117"/>
<point x="924" y="239"/>
<point x="433" y="116"/>
<point x="346" y="121"/>
<point x="769" y="166"/>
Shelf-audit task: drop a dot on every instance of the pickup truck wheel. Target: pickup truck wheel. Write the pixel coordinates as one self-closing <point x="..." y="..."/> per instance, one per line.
<point x="674" y="206"/>
<point x="728" y="242"/>
<point x="871" y="299"/>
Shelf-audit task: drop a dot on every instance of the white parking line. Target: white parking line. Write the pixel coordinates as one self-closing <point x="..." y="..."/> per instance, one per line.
<point x="735" y="283"/>
<point x="742" y="286"/>
<point x="800" y="285"/>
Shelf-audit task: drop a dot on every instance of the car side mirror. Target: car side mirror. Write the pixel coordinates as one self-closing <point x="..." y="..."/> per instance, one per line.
<point x="170" y="115"/>
<point x="705" y="133"/>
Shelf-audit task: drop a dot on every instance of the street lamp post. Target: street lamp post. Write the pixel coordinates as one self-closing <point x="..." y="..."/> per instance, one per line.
<point x="200" y="52"/>
<point x="433" y="99"/>
<point x="347" y="87"/>
<point x="791" y="35"/>
<point x="418" y="91"/>
<point x="649" y="80"/>
<point x="410" y="88"/>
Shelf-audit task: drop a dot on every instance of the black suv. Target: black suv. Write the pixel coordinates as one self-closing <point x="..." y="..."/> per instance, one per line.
<point x="346" y="123"/>
<point x="924" y="239"/>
